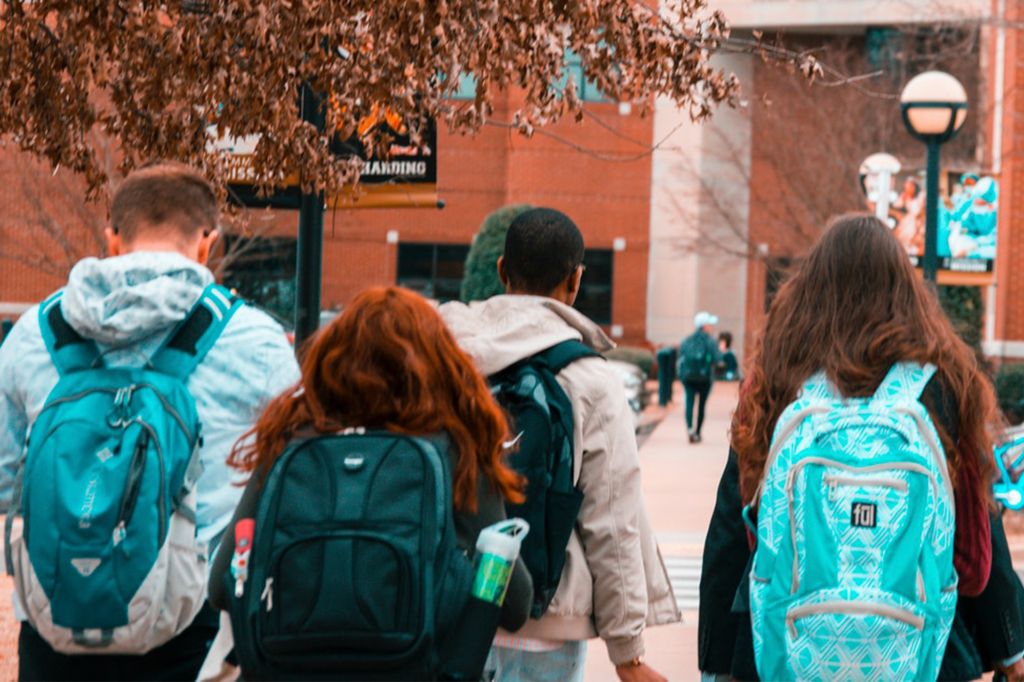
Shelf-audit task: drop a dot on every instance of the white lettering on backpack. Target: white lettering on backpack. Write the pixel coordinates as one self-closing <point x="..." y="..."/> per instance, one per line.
<point x="862" y="515"/>
<point x="84" y="520"/>
<point x="104" y="454"/>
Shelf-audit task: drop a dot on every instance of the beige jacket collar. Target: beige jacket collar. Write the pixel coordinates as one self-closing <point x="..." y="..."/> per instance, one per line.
<point x="504" y="329"/>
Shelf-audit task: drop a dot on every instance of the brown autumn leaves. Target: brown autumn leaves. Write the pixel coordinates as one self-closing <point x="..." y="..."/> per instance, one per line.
<point x="157" y="77"/>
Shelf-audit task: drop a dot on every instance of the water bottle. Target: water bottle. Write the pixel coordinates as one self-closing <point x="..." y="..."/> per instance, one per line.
<point x="497" y="549"/>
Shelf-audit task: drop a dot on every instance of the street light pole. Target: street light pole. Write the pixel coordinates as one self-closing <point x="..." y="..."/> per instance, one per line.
<point x="930" y="264"/>
<point x="310" y="243"/>
<point x="934" y="106"/>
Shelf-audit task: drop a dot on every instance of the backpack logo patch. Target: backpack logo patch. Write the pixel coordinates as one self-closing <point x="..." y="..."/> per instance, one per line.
<point x="85" y="566"/>
<point x="104" y="454"/>
<point x="864" y="515"/>
<point x="509" y="444"/>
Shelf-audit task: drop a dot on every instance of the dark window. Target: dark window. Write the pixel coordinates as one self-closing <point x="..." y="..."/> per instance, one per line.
<point x="262" y="271"/>
<point x="595" y="297"/>
<point x="432" y="270"/>
<point x="777" y="271"/>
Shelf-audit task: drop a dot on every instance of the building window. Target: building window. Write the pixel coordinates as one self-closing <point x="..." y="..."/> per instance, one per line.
<point x="262" y="271"/>
<point x="433" y="270"/>
<point x="777" y="271"/>
<point x="588" y="91"/>
<point x="595" y="297"/>
<point x="465" y="88"/>
<point x="573" y="66"/>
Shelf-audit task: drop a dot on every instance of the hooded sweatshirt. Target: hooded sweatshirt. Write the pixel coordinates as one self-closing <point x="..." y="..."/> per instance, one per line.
<point x="614" y="582"/>
<point x="128" y="305"/>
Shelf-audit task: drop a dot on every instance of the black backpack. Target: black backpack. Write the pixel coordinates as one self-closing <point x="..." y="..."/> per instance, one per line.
<point x="541" y="422"/>
<point x="354" y="572"/>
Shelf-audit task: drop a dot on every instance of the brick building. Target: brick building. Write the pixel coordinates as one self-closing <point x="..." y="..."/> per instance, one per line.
<point x="598" y="171"/>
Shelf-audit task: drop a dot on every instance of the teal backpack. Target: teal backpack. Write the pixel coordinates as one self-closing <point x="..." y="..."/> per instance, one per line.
<point x="101" y="534"/>
<point x="853" y="574"/>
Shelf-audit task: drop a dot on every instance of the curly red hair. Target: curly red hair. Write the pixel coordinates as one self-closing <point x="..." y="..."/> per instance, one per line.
<point x="389" y="362"/>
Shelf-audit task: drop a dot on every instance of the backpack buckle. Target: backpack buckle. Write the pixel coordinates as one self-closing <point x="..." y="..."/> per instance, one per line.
<point x="119" y="415"/>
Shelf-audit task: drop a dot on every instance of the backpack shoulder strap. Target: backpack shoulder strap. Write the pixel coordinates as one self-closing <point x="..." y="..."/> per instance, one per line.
<point x="561" y="355"/>
<point x="904" y="383"/>
<point x="69" y="350"/>
<point x="189" y="343"/>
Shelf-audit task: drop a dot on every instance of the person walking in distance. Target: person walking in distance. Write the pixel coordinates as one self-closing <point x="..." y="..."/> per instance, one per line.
<point x="698" y="355"/>
<point x="613" y="583"/>
<point x="177" y="369"/>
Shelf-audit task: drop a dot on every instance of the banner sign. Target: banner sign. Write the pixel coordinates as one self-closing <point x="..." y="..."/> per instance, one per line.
<point x="407" y="178"/>
<point x="967" y="220"/>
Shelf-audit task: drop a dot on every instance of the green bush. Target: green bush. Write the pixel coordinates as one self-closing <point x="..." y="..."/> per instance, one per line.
<point x="1010" y="391"/>
<point x="481" y="279"/>
<point x="641" y="357"/>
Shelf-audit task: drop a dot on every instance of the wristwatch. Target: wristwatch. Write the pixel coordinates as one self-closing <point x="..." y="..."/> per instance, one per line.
<point x="635" y="663"/>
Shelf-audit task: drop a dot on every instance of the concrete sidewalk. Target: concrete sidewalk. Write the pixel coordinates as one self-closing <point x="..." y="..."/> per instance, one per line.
<point x="680" y="480"/>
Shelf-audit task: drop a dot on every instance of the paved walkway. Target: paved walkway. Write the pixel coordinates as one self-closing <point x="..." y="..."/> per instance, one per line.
<point x="679" y="481"/>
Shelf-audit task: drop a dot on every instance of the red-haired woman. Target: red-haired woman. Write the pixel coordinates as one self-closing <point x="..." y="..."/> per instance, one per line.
<point x="854" y="309"/>
<point x="389" y="363"/>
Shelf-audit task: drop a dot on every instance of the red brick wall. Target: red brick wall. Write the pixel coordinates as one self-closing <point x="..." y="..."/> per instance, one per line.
<point x="476" y="175"/>
<point x="479" y="174"/>
<point x="1010" y="276"/>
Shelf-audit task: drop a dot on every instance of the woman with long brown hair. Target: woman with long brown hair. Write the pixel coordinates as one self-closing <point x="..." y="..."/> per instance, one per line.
<point x="854" y="309"/>
<point x="388" y="363"/>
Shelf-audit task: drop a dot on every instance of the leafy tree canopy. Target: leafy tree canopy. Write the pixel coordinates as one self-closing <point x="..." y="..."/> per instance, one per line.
<point x="155" y="75"/>
<point x="481" y="279"/>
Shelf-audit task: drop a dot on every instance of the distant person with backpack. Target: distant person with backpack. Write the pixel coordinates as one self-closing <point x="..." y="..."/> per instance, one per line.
<point x="598" y="572"/>
<point x="369" y="482"/>
<point x="862" y="453"/>
<point x="698" y="356"/>
<point x="728" y="369"/>
<point x="135" y="380"/>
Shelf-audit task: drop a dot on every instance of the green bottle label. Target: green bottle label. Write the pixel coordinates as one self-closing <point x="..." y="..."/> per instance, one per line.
<point x="492" y="574"/>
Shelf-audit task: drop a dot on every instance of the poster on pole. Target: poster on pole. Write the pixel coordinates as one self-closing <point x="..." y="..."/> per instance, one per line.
<point x="967" y="223"/>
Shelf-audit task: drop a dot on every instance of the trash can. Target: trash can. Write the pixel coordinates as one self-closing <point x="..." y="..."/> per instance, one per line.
<point x="666" y="374"/>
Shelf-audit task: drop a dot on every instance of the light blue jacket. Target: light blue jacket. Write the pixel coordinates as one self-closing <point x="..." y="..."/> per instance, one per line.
<point x="128" y="305"/>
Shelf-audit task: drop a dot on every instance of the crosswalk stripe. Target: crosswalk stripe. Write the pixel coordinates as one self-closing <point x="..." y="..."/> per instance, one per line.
<point x="684" y="575"/>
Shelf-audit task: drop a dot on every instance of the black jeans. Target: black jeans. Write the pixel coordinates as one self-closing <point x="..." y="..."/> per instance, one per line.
<point x="179" y="659"/>
<point x="699" y="388"/>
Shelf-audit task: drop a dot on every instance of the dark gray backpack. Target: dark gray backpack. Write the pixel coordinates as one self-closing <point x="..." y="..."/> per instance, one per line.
<point x="354" y="572"/>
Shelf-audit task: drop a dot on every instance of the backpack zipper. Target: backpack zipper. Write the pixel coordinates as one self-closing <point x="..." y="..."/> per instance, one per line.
<point x="128" y="392"/>
<point x="853" y="609"/>
<point x="136" y="469"/>
<point x="268" y="594"/>
<point x="833" y="481"/>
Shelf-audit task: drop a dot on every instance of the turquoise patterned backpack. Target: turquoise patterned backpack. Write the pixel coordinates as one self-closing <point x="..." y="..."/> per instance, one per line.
<point x="853" y="574"/>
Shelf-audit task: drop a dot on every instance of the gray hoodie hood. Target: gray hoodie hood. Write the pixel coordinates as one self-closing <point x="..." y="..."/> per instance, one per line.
<point x="505" y="329"/>
<point x="127" y="298"/>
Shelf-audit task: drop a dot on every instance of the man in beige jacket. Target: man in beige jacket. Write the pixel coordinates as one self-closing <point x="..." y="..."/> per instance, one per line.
<point x="614" y="582"/>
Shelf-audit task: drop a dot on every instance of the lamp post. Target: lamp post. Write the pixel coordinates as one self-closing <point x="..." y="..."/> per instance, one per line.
<point x="876" y="173"/>
<point x="934" y="106"/>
